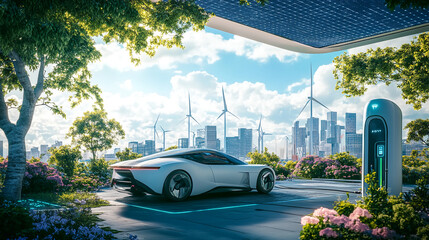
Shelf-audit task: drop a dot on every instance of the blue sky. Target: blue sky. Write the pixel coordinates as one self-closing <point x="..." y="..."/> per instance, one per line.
<point x="258" y="79"/>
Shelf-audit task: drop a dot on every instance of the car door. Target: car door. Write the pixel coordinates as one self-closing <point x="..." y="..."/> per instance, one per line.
<point x="226" y="172"/>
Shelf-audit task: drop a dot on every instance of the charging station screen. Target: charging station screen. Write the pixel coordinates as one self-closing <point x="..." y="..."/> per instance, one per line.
<point x="377" y="149"/>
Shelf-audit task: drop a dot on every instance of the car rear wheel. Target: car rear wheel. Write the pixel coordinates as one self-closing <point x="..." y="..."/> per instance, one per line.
<point x="265" y="181"/>
<point x="177" y="186"/>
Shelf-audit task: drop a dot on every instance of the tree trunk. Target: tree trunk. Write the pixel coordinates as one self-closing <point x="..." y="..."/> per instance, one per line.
<point x="15" y="167"/>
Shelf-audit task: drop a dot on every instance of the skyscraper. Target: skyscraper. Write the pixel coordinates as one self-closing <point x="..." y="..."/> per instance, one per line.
<point x="298" y="141"/>
<point x="353" y="140"/>
<point x="233" y="146"/>
<point x="133" y="146"/>
<point x="245" y="142"/>
<point x="315" y="144"/>
<point x="211" y="137"/>
<point x="350" y="123"/>
<point x="323" y="129"/>
<point x="1" y="148"/>
<point x="149" y="147"/>
<point x="182" y="143"/>
<point x="331" y="137"/>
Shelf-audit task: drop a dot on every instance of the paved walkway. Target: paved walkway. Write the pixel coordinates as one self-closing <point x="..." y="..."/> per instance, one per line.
<point x="231" y="215"/>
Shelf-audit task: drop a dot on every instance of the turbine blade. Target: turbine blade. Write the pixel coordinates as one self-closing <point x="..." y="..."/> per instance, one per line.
<point x="162" y="128"/>
<point x="220" y="115"/>
<point x="224" y="101"/>
<point x="156" y="120"/>
<point x="233" y="114"/>
<point x="303" y="107"/>
<point x="321" y="104"/>
<point x="195" y="120"/>
<point x="260" y="119"/>
<point x="189" y="98"/>
<point x="156" y="133"/>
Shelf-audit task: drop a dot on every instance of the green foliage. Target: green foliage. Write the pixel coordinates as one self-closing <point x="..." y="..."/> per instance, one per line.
<point x="34" y="160"/>
<point x="95" y="132"/>
<point x="127" y="154"/>
<point x="415" y="166"/>
<point x="247" y="2"/>
<point x="345" y="158"/>
<point x="419" y="196"/>
<point x="65" y="158"/>
<point x="171" y="148"/>
<point x="405" y="220"/>
<point x="418" y="130"/>
<point x="290" y="165"/>
<point x="405" y="66"/>
<point x="376" y="200"/>
<point x="85" y="182"/>
<point x="344" y="207"/>
<point x="99" y="168"/>
<point x="269" y="159"/>
<point x="15" y="220"/>
<point x="312" y="167"/>
<point x="82" y="200"/>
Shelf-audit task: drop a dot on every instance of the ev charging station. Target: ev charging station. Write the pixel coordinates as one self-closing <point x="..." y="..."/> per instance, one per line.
<point x="382" y="146"/>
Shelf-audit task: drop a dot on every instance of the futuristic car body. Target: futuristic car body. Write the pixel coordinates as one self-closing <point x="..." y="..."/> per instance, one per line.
<point x="178" y="174"/>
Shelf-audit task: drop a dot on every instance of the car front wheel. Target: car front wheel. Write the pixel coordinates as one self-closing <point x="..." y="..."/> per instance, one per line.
<point x="177" y="186"/>
<point x="265" y="181"/>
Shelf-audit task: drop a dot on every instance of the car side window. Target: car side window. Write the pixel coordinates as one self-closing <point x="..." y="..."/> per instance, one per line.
<point x="208" y="158"/>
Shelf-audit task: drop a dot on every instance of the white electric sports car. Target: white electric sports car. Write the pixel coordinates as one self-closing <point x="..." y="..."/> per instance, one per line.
<point x="178" y="174"/>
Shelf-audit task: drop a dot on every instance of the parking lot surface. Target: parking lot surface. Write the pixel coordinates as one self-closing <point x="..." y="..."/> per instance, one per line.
<point x="225" y="215"/>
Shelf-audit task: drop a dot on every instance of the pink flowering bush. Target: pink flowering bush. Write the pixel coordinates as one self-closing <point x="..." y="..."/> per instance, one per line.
<point x="338" y="166"/>
<point x="376" y="216"/>
<point x="83" y="182"/>
<point x="39" y="177"/>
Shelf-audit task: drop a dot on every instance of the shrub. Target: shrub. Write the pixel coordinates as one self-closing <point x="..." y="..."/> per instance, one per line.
<point x="415" y="166"/>
<point x="344" y="207"/>
<point x="82" y="200"/>
<point x="312" y="167"/>
<point x="38" y="177"/>
<point x="14" y="220"/>
<point x="100" y="169"/>
<point x="65" y="158"/>
<point x="86" y="183"/>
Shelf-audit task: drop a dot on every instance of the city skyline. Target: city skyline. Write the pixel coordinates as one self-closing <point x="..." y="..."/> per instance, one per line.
<point x="260" y="80"/>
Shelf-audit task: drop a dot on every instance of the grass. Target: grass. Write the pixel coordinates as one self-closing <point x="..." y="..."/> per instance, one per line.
<point x="80" y="199"/>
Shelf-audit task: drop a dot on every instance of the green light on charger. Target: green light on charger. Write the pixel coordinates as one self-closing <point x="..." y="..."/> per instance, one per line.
<point x="381" y="172"/>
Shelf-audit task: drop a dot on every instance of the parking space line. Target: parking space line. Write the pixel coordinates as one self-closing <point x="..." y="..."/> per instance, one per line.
<point x="227" y="207"/>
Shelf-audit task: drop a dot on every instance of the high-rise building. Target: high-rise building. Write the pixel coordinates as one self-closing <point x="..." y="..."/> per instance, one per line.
<point x="298" y="141"/>
<point x="44" y="154"/>
<point x="315" y="122"/>
<point x="350" y="123"/>
<point x="354" y="144"/>
<point x="140" y="148"/>
<point x="233" y="146"/>
<point x="201" y="133"/>
<point x="182" y="143"/>
<point x="332" y="136"/>
<point x="1" y="148"/>
<point x="245" y="142"/>
<point x="133" y="146"/>
<point x="323" y="129"/>
<point x="211" y="137"/>
<point x="149" y="147"/>
<point x="199" y="142"/>
<point x="35" y="152"/>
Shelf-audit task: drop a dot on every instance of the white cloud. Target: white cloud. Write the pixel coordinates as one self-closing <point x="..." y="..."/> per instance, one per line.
<point x="127" y="85"/>
<point x="200" y="47"/>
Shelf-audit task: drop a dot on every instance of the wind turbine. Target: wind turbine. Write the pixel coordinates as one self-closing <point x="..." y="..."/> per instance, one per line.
<point x="259" y="134"/>
<point x="163" y="137"/>
<point x="224" y="111"/>
<point x="189" y="116"/>
<point x="262" y="138"/>
<point x="311" y="99"/>
<point x="155" y="132"/>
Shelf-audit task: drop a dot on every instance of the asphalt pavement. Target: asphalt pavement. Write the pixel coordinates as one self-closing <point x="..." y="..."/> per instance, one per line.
<point x="223" y="215"/>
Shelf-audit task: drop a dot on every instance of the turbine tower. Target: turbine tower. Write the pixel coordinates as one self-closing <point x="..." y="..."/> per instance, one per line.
<point x="224" y="111"/>
<point x="259" y="134"/>
<point x="155" y="132"/>
<point x="163" y="137"/>
<point x="189" y="116"/>
<point x="311" y="99"/>
<point x="262" y="139"/>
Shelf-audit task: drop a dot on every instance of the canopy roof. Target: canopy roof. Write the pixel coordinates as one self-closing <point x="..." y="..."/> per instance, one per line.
<point x="316" y="26"/>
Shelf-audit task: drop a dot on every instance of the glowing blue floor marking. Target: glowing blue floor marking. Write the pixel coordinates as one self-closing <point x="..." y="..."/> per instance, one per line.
<point x="191" y="211"/>
<point x="222" y="208"/>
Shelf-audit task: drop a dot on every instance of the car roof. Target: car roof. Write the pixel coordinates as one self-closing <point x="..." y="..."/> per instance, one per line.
<point x="175" y="152"/>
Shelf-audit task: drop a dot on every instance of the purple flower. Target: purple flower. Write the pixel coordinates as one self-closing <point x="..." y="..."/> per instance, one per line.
<point x="383" y="232"/>
<point x="309" y="220"/>
<point x="328" y="232"/>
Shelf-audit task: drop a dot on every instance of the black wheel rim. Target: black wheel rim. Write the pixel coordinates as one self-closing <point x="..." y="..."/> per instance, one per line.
<point x="267" y="180"/>
<point x="180" y="185"/>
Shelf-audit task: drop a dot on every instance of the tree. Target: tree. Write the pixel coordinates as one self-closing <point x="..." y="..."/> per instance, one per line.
<point x="127" y="154"/>
<point x="95" y="132"/>
<point x="66" y="158"/>
<point x="270" y="159"/>
<point x="418" y="130"/>
<point x="171" y="148"/>
<point x="35" y="34"/>
<point x="391" y="4"/>
<point x="408" y="66"/>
